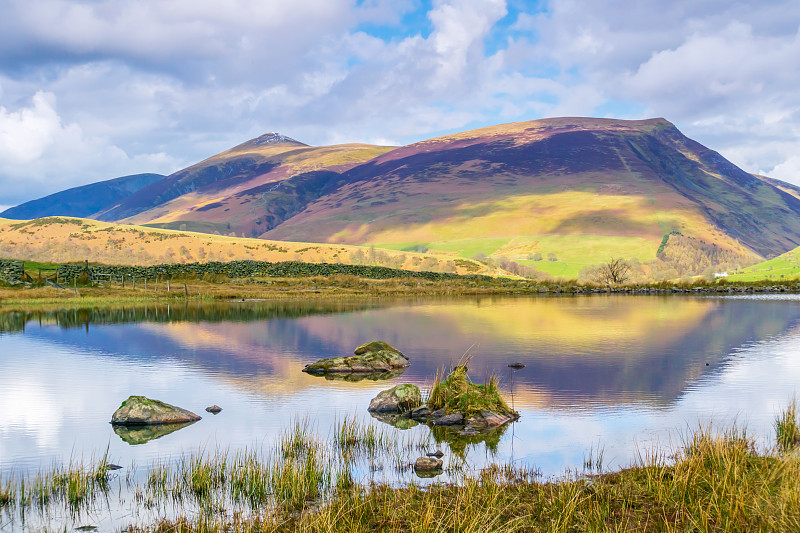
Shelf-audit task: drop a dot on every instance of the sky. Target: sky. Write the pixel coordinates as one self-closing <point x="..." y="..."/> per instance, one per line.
<point x="95" y="89"/>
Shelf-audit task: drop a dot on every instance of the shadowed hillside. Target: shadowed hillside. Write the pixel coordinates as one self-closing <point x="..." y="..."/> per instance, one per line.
<point x="233" y="193"/>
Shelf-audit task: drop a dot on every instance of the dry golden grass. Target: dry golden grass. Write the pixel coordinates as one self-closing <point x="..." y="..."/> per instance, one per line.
<point x="63" y="240"/>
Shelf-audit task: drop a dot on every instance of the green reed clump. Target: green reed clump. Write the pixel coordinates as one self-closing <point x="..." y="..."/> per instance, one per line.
<point x="249" y="479"/>
<point x="296" y="440"/>
<point x="297" y="480"/>
<point x="787" y="428"/>
<point x="351" y="435"/>
<point x="456" y="393"/>
<point x="7" y="493"/>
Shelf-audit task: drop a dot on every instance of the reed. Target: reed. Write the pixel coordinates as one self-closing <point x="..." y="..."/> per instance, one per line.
<point x="787" y="428"/>
<point x="715" y="481"/>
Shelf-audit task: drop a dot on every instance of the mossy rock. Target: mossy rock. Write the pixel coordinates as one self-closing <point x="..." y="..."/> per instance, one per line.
<point x="399" y="399"/>
<point x="142" y="411"/>
<point x="371" y="357"/>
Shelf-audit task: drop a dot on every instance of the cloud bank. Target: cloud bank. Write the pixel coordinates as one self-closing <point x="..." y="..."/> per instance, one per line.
<point x="95" y="90"/>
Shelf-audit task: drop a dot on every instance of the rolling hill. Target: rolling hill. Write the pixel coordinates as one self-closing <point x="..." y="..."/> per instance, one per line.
<point x="64" y="240"/>
<point x="82" y="201"/>
<point x="785" y="267"/>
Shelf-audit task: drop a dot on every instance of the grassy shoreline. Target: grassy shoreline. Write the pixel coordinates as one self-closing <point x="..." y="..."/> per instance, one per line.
<point x="341" y="287"/>
<point x="716" y="481"/>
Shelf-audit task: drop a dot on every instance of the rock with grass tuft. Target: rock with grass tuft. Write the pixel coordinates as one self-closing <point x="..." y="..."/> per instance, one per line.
<point x="460" y="403"/>
<point x="142" y="411"/>
<point x="375" y="356"/>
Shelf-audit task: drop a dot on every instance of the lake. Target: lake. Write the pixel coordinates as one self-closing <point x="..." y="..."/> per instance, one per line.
<point x="615" y="373"/>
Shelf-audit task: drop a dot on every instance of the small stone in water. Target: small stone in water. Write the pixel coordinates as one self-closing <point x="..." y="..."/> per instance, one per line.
<point x="437" y="453"/>
<point x="427" y="463"/>
<point x="112" y="466"/>
<point x="214" y="409"/>
<point x="516" y="365"/>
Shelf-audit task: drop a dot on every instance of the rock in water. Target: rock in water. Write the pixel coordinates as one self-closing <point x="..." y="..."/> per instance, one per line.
<point x="398" y="399"/>
<point x="214" y="409"/>
<point x="375" y="356"/>
<point x="141" y="411"/>
<point x="428" y="463"/>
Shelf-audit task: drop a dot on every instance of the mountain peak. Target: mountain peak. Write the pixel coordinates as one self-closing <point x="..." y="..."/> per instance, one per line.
<point x="273" y="137"/>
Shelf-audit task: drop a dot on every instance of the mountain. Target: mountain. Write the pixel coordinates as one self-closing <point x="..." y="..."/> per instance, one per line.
<point x="226" y="193"/>
<point x="82" y="201"/>
<point x="581" y="189"/>
<point x="557" y="194"/>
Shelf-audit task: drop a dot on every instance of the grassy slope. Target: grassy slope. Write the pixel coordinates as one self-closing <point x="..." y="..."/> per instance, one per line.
<point x="781" y="268"/>
<point x="59" y="239"/>
<point x="573" y="252"/>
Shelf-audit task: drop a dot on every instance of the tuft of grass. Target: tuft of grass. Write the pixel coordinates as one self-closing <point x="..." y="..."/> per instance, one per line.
<point x="456" y="393"/>
<point x="787" y="428"/>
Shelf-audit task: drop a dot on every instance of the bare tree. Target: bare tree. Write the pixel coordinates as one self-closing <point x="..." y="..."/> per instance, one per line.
<point x="614" y="271"/>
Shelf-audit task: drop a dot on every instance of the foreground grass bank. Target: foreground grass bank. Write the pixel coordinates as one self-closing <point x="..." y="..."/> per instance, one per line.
<point x="714" y="482"/>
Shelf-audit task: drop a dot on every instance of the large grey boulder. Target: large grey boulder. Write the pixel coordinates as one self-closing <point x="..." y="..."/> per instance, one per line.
<point x="142" y="411"/>
<point x="398" y="399"/>
<point x="375" y="356"/>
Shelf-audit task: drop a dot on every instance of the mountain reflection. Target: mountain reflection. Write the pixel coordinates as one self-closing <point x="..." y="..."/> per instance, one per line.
<point x="577" y="350"/>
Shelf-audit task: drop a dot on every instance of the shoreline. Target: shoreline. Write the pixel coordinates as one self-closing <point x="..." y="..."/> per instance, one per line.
<point x="333" y="288"/>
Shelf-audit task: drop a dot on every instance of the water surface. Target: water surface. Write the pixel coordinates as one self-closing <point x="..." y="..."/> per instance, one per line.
<point x="611" y="371"/>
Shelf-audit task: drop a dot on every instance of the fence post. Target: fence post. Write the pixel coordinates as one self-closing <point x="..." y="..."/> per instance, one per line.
<point x="185" y="289"/>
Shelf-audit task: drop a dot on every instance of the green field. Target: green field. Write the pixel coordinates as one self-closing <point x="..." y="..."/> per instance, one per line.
<point x="573" y="252"/>
<point x="783" y="267"/>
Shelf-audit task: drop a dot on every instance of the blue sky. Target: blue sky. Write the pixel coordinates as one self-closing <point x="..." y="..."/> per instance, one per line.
<point x="95" y="89"/>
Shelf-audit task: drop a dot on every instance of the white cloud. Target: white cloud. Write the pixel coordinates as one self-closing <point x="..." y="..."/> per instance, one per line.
<point x="41" y="154"/>
<point x="94" y="90"/>
<point x="26" y="133"/>
<point x="789" y="170"/>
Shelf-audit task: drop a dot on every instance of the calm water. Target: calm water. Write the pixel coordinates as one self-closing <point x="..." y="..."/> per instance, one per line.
<point x="618" y="372"/>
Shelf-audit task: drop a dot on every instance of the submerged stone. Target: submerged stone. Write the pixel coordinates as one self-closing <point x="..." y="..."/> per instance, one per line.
<point x="398" y="399"/>
<point x="375" y="356"/>
<point x="142" y="411"/>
